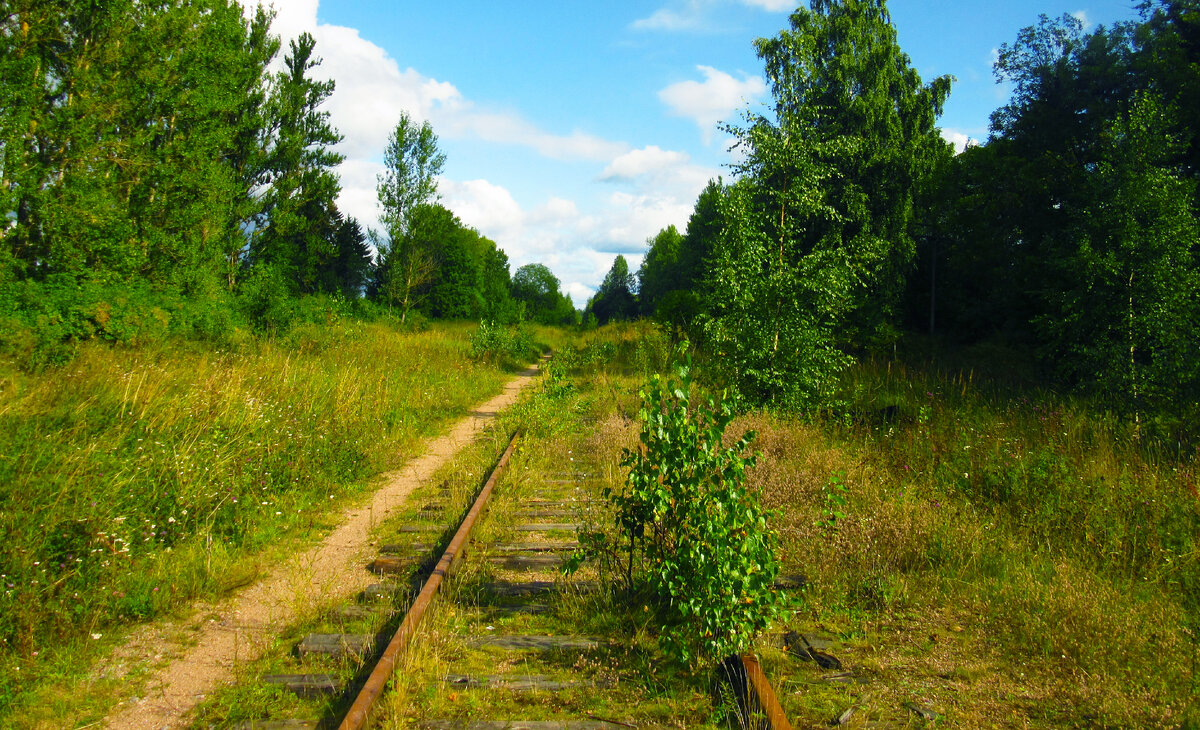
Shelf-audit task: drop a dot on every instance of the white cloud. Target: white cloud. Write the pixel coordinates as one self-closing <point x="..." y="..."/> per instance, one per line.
<point x="647" y="160"/>
<point x="694" y="15"/>
<point x="525" y="235"/>
<point x="371" y="91"/>
<point x="772" y="6"/>
<point x="1082" y="17"/>
<point x="461" y="118"/>
<point x="358" y="198"/>
<point x="579" y="293"/>
<point x="635" y="217"/>
<point x="579" y="246"/>
<point x="669" y="20"/>
<point x="712" y="100"/>
<point x="638" y="191"/>
<point x="961" y="140"/>
<point x="484" y="205"/>
<point x="292" y="17"/>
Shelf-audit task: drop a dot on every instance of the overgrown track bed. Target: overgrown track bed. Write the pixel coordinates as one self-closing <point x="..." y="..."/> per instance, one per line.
<point x="509" y="643"/>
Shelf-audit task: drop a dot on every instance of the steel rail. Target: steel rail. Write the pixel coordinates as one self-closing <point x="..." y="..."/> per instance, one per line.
<point x="359" y="714"/>
<point x="756" y="680"/>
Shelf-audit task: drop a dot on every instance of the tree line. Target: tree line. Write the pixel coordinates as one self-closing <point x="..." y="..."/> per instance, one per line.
<point x="1070" y="234"/>
<point x="158" y="177"/>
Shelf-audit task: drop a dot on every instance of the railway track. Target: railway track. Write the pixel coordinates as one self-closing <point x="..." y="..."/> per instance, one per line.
<point x="503" y="641"/>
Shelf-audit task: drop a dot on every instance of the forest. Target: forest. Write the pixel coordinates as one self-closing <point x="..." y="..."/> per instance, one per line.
<point x="196" y="195"/>
<point x="1070" y="235"/>
<point x="150" y="195"/>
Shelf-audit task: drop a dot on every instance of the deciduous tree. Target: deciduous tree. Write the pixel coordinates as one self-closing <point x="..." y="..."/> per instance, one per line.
<point x="412" y="163"/>
<point x="815" y="236"/>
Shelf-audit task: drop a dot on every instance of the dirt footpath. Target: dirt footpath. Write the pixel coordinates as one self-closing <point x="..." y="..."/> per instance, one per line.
<point x="239" y="629"/>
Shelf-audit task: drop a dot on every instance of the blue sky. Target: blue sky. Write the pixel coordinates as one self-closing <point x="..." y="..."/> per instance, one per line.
<point x="574" y="131"/>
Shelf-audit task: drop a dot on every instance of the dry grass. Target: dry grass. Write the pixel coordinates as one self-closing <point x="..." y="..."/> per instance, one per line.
<point x="134" y="481"/>
<point x="984" y="611"/>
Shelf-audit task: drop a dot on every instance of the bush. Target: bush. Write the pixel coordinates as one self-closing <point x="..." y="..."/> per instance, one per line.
<point x="511" y="346"/>
<point x="267" y="301"/>
<point x="699" y="547"/>
<point x="42" y="323"/>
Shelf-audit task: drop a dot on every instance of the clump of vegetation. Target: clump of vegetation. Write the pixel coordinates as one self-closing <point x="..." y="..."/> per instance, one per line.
<point x="512" y="346"/>
<point x="133" y="481"/>
<point x="982" y="533"/>
<point x="696" y="546"/>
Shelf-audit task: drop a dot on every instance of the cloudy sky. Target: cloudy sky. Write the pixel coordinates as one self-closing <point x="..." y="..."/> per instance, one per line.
<point x="574" y="131"/>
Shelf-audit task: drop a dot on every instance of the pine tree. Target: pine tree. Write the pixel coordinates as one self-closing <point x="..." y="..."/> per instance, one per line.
<point x="353" y="262"/>
<point x="299" y="218"/>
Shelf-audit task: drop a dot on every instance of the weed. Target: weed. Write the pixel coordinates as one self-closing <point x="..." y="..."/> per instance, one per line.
<point x="134" y="481"/>
<point x="698" y="535"/>
<point x="511" y="346"/>
<point x="834" y="495"/>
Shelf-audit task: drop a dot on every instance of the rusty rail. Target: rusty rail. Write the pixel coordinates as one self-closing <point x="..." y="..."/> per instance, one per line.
<point x="360" y="712"/>
<point x="762" y="693"/>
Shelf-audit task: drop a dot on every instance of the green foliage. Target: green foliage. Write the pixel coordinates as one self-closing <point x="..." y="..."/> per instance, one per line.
<point x="1125" y="317"/>
<point x="44" y="323"/>
<point x="555" y="383"/>
<point x="834" y="496"/>
<point x="772" y="325"/>
<point x="406" y="188"/>
<point x="266" y="300"/>
<point x="615" y="300"/>
<point x="353" y="264"/>
<point x="412" y="162"/>
<point x="851" y="109"/>
<point x="814" y="236"/>
<point x="146" y="147"/>
<point x="699" y="547"/>
<point x="115" y="153"/>
<point x="659" y="272"/>
<point x="1074" y="229"/>
<point x="512" y="346"/>
<point x="1056" y="470"/>
<point x="298" y="225"/>
<point x="538" y="288"/>
<point x="672" y="275"/>
<point x="134" y="479"/>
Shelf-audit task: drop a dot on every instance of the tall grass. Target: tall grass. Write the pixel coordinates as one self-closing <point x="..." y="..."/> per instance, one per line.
<point x="1063" y="541"/>
<point x="134" y="480"/>
<point x="1052" y="468"/>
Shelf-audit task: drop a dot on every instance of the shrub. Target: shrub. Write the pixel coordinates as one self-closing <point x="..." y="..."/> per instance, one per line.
<point x="699" y="547"/>
<point x="493" y="342"/>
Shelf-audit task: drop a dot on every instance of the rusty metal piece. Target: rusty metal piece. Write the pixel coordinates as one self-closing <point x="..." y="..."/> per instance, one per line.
<point x="359" y="713"/>
<point x="756" y="680"/>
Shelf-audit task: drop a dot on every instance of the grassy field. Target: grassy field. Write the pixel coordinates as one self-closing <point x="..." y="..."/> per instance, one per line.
<point x="133" y="481"/>
<point x="975" y="545"/>
<point x="1008" y="557"/>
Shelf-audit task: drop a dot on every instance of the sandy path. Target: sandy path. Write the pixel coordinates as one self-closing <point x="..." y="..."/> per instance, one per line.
<point x="239" y="629"/>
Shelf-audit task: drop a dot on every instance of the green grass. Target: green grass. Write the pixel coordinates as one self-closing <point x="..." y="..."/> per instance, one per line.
<point x="571" y="425"/>
<point x="1009" y="555"/>
<point x="133" y="481"/>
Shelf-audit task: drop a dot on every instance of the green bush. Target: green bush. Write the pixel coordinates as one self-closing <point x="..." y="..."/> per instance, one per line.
<point x="266" y="300"/>
<point x="510" y="346"/>
<point x="44" y="322"/>
<point x="699" y="547"/>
